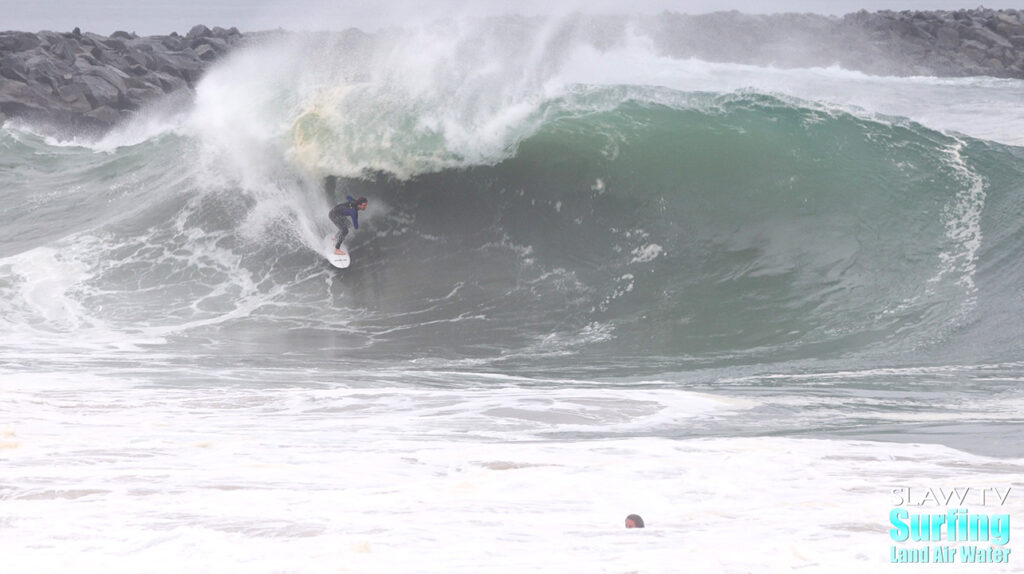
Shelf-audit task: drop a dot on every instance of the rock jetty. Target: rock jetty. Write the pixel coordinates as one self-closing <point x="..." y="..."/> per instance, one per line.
<point x="81" y="81"/>
<point x="87" y="82"/>
<point x="977" y="42"/>
<point x="961" y="43"/>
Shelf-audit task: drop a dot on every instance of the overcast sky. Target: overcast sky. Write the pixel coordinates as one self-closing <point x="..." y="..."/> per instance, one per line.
<point x="149" y="17"/>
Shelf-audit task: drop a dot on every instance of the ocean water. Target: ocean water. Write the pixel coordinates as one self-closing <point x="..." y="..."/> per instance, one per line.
<point x="760" y="307"/>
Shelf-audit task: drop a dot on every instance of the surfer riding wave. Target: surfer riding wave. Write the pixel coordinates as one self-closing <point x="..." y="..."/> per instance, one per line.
<point x="340" y="215"/>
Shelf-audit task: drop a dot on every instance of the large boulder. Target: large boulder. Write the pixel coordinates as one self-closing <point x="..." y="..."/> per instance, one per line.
<point x="199" y="31"/>
<point x="99" y="91"/>
<point x="74" y="96"/>
<point x="18" y="42"/>
<point x="17" y="98"/>
<point x="947" y="38"/>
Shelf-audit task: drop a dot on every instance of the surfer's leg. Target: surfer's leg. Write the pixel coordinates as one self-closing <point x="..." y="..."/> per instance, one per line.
<point x="342" y="223"/>
<point x="342" y="232"/>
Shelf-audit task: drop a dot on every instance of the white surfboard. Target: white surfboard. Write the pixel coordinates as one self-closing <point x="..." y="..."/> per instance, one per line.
<point x="340" y="261"/>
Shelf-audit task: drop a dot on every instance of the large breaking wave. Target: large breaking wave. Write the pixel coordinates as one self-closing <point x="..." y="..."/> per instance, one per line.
<point x="535" y="205"/>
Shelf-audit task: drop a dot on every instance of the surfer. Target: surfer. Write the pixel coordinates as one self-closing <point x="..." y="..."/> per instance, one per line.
<point x="339" y="216"/>
<point x="634" y="521"/>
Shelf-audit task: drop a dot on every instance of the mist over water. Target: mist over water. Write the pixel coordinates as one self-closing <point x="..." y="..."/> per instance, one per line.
<point x="149" y="17"/>
<point x="593" y="280"/>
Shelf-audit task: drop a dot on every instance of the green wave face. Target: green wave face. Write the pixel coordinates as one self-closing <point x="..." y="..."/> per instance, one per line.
<point x="742" y="227"/>
<point x="684" y="229"/>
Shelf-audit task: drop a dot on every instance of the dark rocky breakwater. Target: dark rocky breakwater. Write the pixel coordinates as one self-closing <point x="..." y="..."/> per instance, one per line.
<point x="80" y="81"/>
<point x="77" y="81"/>
<point x="962" y="43"/>
<point x="978" y="42"/>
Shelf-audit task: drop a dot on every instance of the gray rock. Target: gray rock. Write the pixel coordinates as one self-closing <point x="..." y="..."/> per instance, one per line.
<point x="206" y="53"/>
<point x="99" y="92"/>
<point x="74" y="96"/>
<point x="116" y="45"/>
<point x="993" y="64"/>
<point x="967" y="45"/>
<point x="64" y="49"/>
<point x="104" y="116"/>
<point x="112" y="75"/>
<point x="18" y="41"/>
<point x="220" y="45"/>
<point x="17" y="98"/>
<point x="170" y="84"/>
<point x="143" y="81"/>
<point x="90" y="39"/>
<point x="42" y="70"/>
<point x="148" y="93"/>
<point x="13" y="68"/>
<point x="986" y="36"/>
<point x="199" y="31"/>
<point x="85" y="62"/>
<point x="1006" y="30"/>
<point x="137" y="57"/>
<point x="175" y="43"/>
<point x="947" y="38"/>
<point x="1010" y="17"/>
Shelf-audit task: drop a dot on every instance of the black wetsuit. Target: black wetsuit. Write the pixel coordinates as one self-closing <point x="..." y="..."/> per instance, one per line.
<point x="339" y="216"/>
